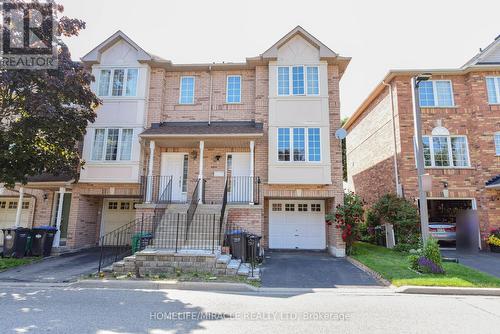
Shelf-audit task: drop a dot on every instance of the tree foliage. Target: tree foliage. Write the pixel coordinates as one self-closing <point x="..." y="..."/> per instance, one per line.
<point x="44" y="113"/>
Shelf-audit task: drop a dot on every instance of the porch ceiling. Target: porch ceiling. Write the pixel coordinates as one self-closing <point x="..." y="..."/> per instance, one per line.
<point x="210" y="142"/>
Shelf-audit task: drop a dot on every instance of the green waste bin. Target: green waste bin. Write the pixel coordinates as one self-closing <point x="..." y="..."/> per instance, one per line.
<point x="140" y="241"/>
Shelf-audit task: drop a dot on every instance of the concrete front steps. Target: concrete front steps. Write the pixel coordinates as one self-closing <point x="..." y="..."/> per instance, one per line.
<point x="164" y="261"/>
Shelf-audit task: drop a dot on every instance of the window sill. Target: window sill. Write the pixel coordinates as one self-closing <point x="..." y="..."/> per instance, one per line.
<point x="233" y="103"/>
<point x="440" y="107"/>
<point x="459" y="168"/>
<point x="185" y="104"/>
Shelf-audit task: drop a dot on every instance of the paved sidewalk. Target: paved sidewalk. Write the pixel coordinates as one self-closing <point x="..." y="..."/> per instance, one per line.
<point x="483" y="261"/>
<point x="65" y="268"/>
<point x="303" y="269"/>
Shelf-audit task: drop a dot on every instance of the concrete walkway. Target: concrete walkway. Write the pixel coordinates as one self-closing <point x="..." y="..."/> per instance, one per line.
<point x="483" y="261"/>
<point x="304" y="269"/>
<point x="65" y="268"/>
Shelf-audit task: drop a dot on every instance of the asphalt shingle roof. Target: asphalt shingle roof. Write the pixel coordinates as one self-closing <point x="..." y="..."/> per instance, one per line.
<point x="202" y="128"/>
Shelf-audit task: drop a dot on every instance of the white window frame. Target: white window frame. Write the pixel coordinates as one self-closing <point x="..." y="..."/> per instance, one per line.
<point x="104" y="146"/>
<point x="450" y="152"/>
<point x="497" y="147"/>
<point x="180" y="89"/>
<point x="110" y="86"/>
<point x="496" y="82"/>
<point x="306" y="143"/>
<point x="290" y="80"/>
<point x="434" y="92"/>
<point x="227" y="88"/>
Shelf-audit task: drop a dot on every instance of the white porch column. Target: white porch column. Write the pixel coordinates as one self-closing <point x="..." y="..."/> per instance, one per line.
<point x="149" y="178"/>
<point x="19" y="206"/>
<point x="200" y="173"/>
<point x="252" y="176"/>
<point x="57" y="237"/>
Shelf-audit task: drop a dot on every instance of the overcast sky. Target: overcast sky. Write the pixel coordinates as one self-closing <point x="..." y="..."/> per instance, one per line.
<point x="378" y="35"/>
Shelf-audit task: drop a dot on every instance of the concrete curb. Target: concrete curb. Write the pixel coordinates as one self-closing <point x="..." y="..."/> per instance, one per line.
<point x="369" y="271"/>
<point x="454" y="291"/>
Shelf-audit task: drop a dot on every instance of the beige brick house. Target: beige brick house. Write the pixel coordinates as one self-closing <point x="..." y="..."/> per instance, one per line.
<point x="169" y="135"/>
<point x="461" y="128"/>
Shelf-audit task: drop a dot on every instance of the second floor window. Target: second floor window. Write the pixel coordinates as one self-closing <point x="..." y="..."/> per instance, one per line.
<point x="112" y="144"/>
<point x="118" y="82"/>
<point x="493" y="86"/>
<point x="446" y="151"/>
<point x="299" y="144"/>
<point x="187" y="90"/>
<point x="435" y="93"/>
<point x="298" y="80"/>
<point x="233" y="91"/>
<point x="497" y="143"/>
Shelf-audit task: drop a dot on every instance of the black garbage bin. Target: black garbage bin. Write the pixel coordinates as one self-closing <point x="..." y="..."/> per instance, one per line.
<point x="15" y="241"/>
<point x="42" y="238"/>
<point x="236" y="239"/>
<point x="253" y="248"/>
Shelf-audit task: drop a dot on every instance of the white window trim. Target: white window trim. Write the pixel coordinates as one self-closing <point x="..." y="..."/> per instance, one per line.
<point x="110" y="87"/>
<point x="227" y="87"/>
<point x="497" y="151"/>
<point x="180" y="89"/>
<point x="290" y="80"/>
<point x="450" y="153"/>
<point x="496" y="83"/>
<point x="434" y="92"/>
<point x="119" y="146"/>
<point x="306" y="143"/>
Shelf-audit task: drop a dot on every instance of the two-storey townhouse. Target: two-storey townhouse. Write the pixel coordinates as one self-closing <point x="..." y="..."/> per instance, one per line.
<point x="460" y="124"/>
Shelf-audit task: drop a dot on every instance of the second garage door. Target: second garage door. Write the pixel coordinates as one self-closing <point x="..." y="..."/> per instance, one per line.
<point x="116" y="213"/>
<point x="297" y="224"/>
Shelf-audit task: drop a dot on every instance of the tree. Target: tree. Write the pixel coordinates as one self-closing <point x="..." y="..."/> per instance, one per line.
<point x="344" y="151"/>
<point x="44" y="113"/>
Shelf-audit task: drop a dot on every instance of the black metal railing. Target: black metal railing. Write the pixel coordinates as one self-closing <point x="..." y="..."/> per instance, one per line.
<point x="195" y="199"/>
<point x="156" y="189"/>
<point x="173" y="232"/>
<point x="126" y="240"/>
<point x="243" y="189"/>
<point x="223" y="210"/>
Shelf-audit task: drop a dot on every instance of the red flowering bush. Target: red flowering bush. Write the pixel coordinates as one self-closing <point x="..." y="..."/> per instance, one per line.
<point x="347" y="218"/>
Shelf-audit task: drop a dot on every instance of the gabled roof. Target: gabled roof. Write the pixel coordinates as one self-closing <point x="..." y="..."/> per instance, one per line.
<point x="142" y="56"/>
<point x="482" y="58"/>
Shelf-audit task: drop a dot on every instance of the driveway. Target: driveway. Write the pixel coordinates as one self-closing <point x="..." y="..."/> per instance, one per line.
<point x="58" y="269"/>
<point x="483" y="261"/>
<point x="308" y="269"/>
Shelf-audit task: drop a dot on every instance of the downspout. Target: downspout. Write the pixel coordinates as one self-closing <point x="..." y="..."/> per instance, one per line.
<point x="210" y="96"/>
<point x="396" y="169"/>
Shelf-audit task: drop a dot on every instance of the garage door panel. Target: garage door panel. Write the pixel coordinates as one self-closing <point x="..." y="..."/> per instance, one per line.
<point x="116" y="213"/>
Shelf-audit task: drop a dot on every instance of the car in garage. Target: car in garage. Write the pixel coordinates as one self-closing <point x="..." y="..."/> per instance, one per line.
<point x="445" y="232"/>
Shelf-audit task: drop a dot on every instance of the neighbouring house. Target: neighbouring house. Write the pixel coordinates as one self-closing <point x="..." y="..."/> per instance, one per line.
<point x="461" y="138"/>
<point x="252" y="141"/>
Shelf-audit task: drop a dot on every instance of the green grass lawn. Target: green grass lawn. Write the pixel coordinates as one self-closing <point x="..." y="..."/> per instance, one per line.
<point x="393" y="266"/>
<point x="7" y="263"/>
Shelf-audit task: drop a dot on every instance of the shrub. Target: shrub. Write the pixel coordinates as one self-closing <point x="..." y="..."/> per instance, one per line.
<point x="427" y="259"/>
<point x="494" y="237"/>
<point x="413" y="260"/>
<point x="403" y="248"/>
<point x="426" y="265"/>
<point x="432" y="252"/>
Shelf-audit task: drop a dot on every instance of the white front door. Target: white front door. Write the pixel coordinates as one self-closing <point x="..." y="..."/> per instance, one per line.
<point x="176" y="165"/>
<point x="297" y="224"/>
<point x="238" y="172"/>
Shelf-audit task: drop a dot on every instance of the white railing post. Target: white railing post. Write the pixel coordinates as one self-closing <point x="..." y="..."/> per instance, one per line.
<point x="19" y="206"/>
<point x="252" y="147"/>
<point x="57" y="238"/>
<point x="149" y="178"/>
<point x="200" y="173"/>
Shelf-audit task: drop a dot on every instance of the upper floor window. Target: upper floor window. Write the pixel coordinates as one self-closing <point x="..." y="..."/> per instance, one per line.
<point x="435" y="93"/>
<point x="493" y="86"/>
<point x="446" y="151"/>
<point x="233" y="91"/>
<point x="187" y="90"/>
<point x="497" y="143"/>
<point x="299" y="80"/>
<point x="304" y="143"/>
<point x="118" y="82"/>
<point x="112" y="144"/>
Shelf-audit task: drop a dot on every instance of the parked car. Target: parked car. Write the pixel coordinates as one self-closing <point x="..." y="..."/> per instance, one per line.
<point x="443" y="231"/>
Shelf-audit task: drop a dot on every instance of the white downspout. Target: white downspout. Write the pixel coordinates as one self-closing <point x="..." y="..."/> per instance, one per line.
<point x="210" y="96"/>
<point x="396" y="169"/>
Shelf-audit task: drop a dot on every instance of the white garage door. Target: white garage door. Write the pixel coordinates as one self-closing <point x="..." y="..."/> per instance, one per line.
<point x="116" y="213"/>
<point x="8" y="210"/>
<point x="297" y="224"/>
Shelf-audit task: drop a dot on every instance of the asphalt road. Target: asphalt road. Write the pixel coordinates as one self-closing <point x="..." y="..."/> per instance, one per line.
<point x="361" y="310"/>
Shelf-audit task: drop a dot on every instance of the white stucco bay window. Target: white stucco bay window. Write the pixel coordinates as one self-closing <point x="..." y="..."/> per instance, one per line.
<point x="112" y="144"/>
<point x="298" y="80"/>
<point x="299" y="145"/>
<point x="118" y="82"/>
<point x="446" y="151"/>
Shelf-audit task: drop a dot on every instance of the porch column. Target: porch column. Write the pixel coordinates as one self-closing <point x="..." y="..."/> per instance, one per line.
<point x="19" y="206"/>
<point x="57" y="237"/>
<point x="149" y="179"/>
<point x="200" y="173"/>
<point x="252" y="176"/>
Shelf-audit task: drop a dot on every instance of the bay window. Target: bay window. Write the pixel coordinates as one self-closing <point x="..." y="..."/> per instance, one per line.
<point x="118" y="82"/>
<point x="446" y="151"/>
<point x="304" y="143"/>
<point x="112" y="145"/>
<point x="298" y="80"/>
